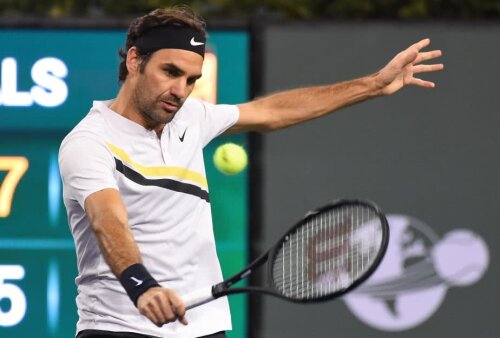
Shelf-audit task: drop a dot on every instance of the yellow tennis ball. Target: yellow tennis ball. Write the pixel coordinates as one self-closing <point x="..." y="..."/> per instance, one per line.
<point x="230" y="158"/>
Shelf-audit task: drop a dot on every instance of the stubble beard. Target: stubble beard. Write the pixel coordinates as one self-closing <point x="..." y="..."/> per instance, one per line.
<point x="150" y="108"/>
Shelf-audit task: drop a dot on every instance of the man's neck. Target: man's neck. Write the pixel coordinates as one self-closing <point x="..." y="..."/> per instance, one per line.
<point x="125" y="106"/>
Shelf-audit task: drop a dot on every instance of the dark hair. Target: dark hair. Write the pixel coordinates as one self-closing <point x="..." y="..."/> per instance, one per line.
<point x="173" y="16"/>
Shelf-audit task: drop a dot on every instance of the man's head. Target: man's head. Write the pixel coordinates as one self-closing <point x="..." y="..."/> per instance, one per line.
<point x="162" y="61"/>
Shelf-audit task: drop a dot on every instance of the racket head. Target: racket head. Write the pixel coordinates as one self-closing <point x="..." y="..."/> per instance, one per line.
<point x="329" y="252"/>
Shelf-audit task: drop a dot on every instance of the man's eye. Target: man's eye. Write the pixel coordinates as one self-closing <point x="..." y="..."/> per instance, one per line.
<point x="171" y="72"/>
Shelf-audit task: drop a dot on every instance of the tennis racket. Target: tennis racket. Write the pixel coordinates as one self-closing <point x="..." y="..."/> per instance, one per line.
<point x="327" y="253"/>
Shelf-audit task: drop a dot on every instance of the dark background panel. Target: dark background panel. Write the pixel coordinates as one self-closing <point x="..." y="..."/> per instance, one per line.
<point x="428" y="154"/>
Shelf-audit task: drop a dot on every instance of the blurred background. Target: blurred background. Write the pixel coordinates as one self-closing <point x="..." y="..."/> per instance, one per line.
<point x="429" y="158"/>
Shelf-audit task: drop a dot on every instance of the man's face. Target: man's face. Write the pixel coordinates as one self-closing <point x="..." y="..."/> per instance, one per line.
<point x="164" y="84"/>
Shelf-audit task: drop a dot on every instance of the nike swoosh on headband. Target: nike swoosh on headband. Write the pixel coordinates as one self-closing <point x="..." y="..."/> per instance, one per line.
<point x="195" y="43"/>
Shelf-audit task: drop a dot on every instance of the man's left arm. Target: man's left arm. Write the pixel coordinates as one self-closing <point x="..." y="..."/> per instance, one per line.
<point x="295" y="106"/>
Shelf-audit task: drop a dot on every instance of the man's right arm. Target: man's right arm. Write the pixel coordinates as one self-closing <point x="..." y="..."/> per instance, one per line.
<point x="108" y="217"/>
<point x="288" y="108"/>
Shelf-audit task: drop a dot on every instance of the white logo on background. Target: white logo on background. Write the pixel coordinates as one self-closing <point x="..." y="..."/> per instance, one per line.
<point x="417" y="270"/>
<point x="195" y="43"/>
<point x="49" y="90"/>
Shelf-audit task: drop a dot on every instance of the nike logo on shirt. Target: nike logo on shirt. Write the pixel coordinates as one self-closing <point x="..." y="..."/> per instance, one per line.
<point x="181" y="138"/>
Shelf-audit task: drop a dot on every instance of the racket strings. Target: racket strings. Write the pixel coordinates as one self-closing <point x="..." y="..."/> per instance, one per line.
<point x="328" y="252"/>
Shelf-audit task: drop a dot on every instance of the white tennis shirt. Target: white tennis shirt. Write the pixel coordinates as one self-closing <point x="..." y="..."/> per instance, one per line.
<point x="163" y="184"/>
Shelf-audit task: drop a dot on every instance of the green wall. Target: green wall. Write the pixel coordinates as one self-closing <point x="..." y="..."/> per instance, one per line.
<point x="35" y="237"/>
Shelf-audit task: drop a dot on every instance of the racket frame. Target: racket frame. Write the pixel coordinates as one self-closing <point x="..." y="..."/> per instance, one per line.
<point x="224" y="288"/>
<point x="333" y="204"/>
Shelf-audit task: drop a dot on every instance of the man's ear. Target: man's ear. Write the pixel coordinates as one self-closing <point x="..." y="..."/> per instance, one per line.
<point x="133" y="61"/>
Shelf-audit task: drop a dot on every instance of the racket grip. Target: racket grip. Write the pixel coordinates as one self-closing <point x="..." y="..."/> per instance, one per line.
<point x="198" y="297"/>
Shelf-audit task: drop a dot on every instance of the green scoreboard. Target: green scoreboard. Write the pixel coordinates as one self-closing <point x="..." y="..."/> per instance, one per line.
<point x="48" y="79"/>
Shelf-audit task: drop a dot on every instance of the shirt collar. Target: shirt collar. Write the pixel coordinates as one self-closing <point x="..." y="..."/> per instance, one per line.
<point x="118" y="121"/>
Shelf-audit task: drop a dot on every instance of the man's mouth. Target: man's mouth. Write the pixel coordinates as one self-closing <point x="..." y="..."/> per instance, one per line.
<point x="169" y="106"/>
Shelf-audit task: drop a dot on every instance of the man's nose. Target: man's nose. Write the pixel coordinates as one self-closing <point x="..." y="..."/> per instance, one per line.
<point x="179" y="88"/>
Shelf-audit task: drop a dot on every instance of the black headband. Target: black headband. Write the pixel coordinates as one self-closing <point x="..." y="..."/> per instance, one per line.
<point x="172" y="37"/>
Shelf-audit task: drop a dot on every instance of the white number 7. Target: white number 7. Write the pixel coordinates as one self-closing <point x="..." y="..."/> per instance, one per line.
<point x="13" y="293"/>
<point x="16" y="167"/>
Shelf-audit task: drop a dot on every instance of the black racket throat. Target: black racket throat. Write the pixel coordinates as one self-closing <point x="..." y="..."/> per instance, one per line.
<point x="224" y="287"/>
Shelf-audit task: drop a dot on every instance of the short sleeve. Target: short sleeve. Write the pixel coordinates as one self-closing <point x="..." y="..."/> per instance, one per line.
<point x="217" y="119"/>
<point x="86" y="166"/>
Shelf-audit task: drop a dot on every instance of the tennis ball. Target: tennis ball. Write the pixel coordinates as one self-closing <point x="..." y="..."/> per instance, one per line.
<point x="230" y="158"/>
<point x="461" y="257"/>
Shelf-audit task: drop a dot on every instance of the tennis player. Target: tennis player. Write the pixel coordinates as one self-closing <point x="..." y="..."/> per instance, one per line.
<point x="135" y="187"/>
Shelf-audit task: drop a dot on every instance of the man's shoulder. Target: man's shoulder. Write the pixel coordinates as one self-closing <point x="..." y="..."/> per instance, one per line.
<point x="192" y="105"/>
<point x="91" y="128"/>
<point x="93" y="121"/>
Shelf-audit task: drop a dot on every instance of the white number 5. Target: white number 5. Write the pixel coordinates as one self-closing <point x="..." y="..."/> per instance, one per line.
<point x="12" y="292"/>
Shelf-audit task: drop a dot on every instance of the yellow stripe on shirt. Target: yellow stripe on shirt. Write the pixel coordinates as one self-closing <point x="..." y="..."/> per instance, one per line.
<point x="159" y="171"/>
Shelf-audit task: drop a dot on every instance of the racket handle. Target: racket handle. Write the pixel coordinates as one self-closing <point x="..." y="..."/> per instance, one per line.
<point x="198" y="297"/>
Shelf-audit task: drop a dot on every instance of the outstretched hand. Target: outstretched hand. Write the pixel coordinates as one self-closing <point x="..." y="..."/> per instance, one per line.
<point x="401" y="70"/>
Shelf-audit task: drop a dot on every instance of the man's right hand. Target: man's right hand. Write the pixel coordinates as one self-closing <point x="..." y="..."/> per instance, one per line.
<point x="161" y="306"/>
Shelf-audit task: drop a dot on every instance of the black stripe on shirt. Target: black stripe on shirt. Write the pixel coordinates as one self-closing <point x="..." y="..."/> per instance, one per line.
<point x="165" y="183"/>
